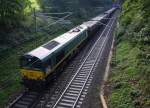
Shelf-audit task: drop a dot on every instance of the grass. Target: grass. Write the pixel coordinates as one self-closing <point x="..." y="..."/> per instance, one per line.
<point x="129" y="81"/>
<point x="124" y="79"/>
<point x="7" y="92"/>
<point x="10" y="65"/>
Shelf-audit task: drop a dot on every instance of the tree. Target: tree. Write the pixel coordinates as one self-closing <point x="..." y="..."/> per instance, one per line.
<point x="11" y="13"/>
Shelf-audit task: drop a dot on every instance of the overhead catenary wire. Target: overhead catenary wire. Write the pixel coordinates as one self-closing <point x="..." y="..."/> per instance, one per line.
<point x="61" y="13"/>
<point x="58" y="19"/>
<point x="61" y="19"/>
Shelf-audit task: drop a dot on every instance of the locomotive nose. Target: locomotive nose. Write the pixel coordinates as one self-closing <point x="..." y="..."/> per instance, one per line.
<point x="32" y="74"/>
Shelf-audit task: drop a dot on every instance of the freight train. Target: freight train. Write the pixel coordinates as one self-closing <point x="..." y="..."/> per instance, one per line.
<point x="42" y="64"/>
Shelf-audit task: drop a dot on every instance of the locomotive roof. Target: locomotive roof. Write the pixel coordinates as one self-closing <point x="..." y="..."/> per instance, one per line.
<point x="71" y="34"/>
<point x="45" y="50"/>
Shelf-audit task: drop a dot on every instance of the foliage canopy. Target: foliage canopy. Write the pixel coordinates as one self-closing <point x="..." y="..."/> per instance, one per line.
<point x="11" y="12"/>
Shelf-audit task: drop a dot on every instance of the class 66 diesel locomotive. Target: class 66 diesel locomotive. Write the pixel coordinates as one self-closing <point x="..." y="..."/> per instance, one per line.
<point x="40" y="65"/>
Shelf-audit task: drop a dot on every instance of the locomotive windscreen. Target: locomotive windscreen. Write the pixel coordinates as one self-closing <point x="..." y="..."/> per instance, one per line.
<point x="30" y="62"/>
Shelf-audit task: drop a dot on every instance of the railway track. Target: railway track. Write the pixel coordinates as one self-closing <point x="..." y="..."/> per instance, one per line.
<point x="77" y="88"/>
<point x="25" y="100"/>
<point x="72" y="93"/>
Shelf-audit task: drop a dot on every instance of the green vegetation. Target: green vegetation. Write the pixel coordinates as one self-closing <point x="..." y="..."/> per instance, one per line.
<point x="35" y="4"/>
<point x="32" y="4"/>
<point x="11" y="12"/>
<point x="16" y="22"/>
<point x="130" y="78"/>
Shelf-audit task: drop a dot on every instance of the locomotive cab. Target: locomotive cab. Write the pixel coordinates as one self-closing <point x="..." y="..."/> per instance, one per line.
<point x="31" y="62"/>
<point x="32" y="70"/>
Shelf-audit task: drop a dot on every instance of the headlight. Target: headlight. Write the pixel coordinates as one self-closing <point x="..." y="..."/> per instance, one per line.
<point x="48" y="69"/>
